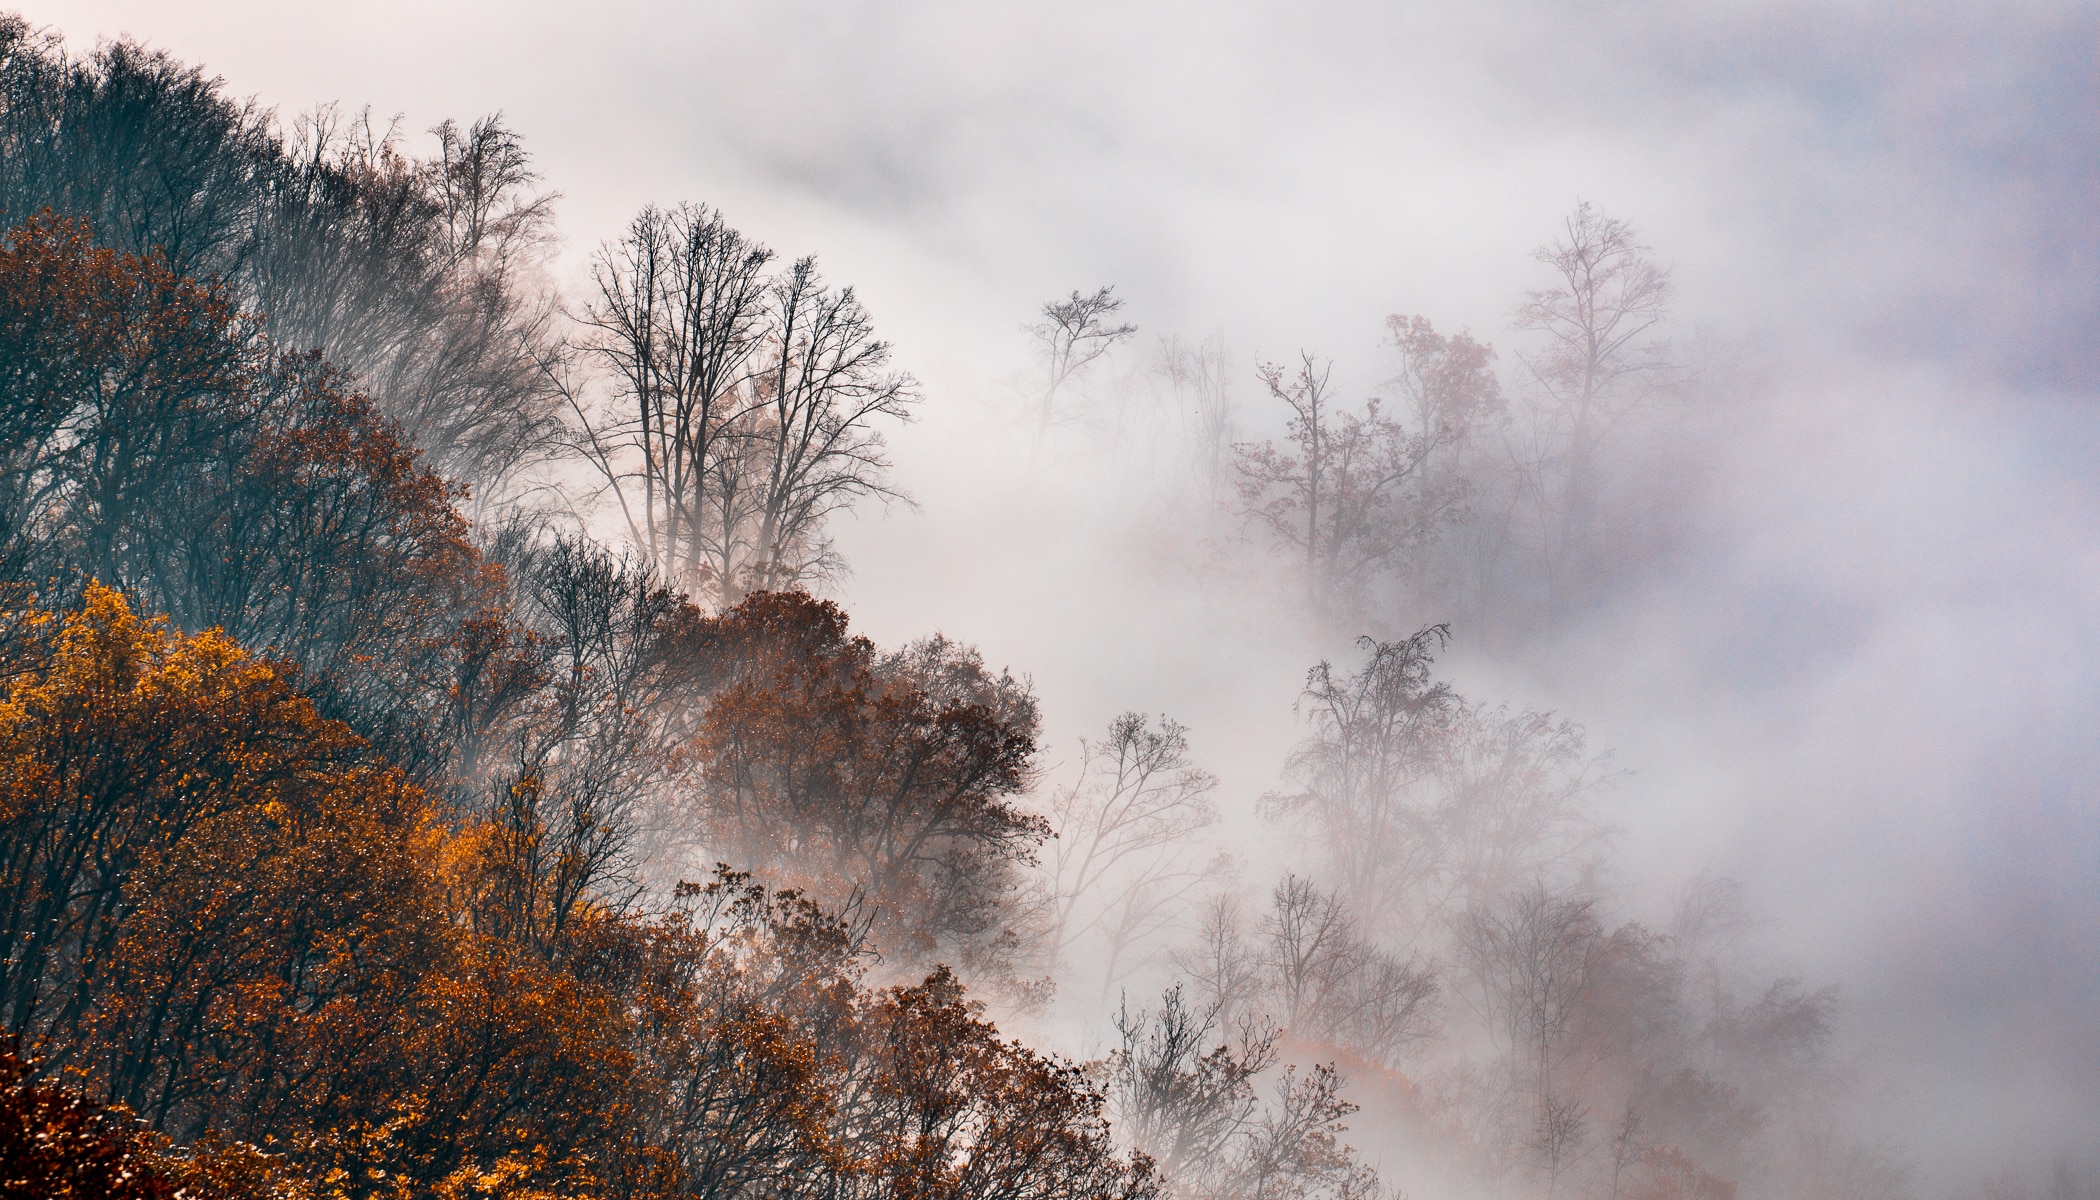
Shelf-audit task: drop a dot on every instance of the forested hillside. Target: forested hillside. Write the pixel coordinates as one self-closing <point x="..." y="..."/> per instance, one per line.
<point x="436" y="759"/>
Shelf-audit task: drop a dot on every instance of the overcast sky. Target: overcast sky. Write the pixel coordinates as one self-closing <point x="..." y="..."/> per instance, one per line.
<point x="1872" y="689"/>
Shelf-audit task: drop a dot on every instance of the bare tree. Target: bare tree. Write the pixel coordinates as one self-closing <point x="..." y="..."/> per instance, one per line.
<point x="1219" y="961"/>
<point x="481" y="177"/>
<point x="826" y="379"/>
<point x="1514" y="803"/>
<point x="1201" y="379"/>
<point x="1327" y="982"/>
<point x="744" y="406"/>
<point x="1603" y="359"/>
<point x="1529" y="961"/>
<point x="680" y="314"/>
<point x="1072" y="334"/>
<point x="1423" y="804"/>
<point x="1355" y="494"/>
<point x="1179" y="1092"/>
<point x="1308" y="939"/>
<point x="1380" y="735"/>
<point x="1123" y="856"/>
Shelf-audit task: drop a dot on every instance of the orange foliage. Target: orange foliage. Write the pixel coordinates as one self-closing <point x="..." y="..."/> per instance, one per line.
<point x="152" y="439"/>
<point x="223" y="916"/>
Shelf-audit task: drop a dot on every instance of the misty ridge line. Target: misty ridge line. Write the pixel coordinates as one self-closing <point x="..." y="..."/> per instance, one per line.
<point x="344" y="420"/>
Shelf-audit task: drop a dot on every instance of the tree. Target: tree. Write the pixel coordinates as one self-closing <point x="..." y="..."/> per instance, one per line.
<point x="1380" y="734"/>
<point x="816" y="450"/>
<point x="1071" y="336"/>
<point x="1530" y="962"/>
<point x="417" y="276"/>
<point x="1201" y="378"/>
<point x="1119" y="859"/>
<point x="1357" y="495"/>
<point x="1328" y="983"/>
<point x="1188" y="1098"/>
<point x="221" y="914"/>
<point x="1601" y="362"/>
<point x="890" y="780"/>
<point x="744" y="405"/>
<point x="678" y="318"/>
<point x="421" y="278"/>
<point x="1220" y="963"/>
<point x="1181" y="1095"/>
<point x="179" y="827"/>
<point x="154" y="442"/>
<point x="1424" y="805"/>
<point x="57" y="1144"/>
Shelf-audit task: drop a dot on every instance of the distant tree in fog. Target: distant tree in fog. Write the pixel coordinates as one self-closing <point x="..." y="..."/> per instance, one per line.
<point x="1327" y="982"/>
<point x="1180" y="1092"/>
<point x="1200" y="376"/>
<point x="1124" y="859"/>
<point x="1220" y="962"/>
<point x="1310" y="967"/>
<point x="1072" y="334"/>
<point x="1529" y="962"/>
<point x="1355" y="495"/>
<point x="1602" y="360"/>
<point x="1378" y="735"/>
<point x="1421" y="803"/>
<point x="418" y="275"/>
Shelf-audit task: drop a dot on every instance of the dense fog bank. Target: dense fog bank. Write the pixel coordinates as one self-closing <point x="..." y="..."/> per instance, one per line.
<point x="1696" y="614"/>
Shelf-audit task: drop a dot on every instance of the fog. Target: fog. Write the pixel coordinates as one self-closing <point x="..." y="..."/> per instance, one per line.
<point x="1854" y="668"/>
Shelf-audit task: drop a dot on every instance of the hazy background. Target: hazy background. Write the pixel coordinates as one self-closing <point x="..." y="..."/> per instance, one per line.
<point x="1866" y="684"/>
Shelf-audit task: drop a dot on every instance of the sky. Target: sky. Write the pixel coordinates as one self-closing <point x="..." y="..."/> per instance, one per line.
<point x="1867" y="685"/>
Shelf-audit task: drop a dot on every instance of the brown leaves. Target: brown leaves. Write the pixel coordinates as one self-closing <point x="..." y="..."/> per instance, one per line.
<point x="56" y="1144"/>
<point x="883" y="778"/>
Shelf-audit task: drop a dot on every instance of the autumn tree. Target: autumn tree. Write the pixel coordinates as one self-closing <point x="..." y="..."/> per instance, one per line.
<point x="155" y="442"/>
<point x="891" y="778"/>
<point x="417" y="276"/>
<point x="59" y="1144"/>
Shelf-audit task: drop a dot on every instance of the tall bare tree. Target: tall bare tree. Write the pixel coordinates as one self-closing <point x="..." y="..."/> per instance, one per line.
<point x="743" y="409"/>
<point x="826" y="379"/>
<point x="678" y="320"/>
<point x="1123" y="858"/>
<point x="1602" y="360"/>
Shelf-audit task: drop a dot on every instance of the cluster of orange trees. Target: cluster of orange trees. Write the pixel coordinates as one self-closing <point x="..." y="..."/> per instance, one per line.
<point x="319" y="822"/>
